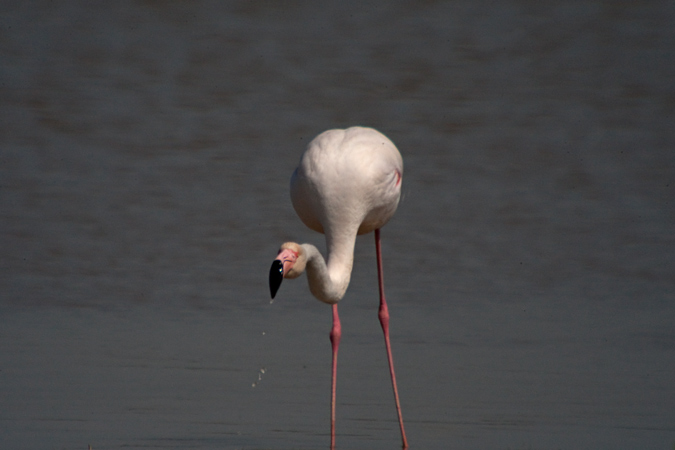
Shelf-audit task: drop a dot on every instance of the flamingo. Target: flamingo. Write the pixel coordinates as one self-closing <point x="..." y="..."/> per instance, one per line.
<point x="348" y="182"/>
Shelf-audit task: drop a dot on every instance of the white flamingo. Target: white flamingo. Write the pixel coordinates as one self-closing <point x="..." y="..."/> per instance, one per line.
<point x="348" y="182"/>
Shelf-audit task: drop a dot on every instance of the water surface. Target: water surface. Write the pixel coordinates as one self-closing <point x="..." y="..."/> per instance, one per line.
<point x="145" y="155"/>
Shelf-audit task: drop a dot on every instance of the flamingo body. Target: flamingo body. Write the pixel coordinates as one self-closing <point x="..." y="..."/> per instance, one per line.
<point x="348" y="182"/>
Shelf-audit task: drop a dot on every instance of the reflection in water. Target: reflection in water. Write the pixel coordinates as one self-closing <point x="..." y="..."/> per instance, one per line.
<point x="144" y="170"/>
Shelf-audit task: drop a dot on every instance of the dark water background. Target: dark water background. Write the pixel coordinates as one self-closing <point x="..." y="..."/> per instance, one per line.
<point x="145" y="153"/>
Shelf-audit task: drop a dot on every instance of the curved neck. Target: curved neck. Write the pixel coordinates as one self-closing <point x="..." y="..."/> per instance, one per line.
<point x="328" y="281"/>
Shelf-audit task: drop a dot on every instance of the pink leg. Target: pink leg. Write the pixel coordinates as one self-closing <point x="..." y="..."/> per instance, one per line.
<point x="384" y="321"/>
<point x="335" y="334"/>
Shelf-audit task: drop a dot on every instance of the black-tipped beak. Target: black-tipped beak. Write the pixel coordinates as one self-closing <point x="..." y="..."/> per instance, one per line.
<point x="276" y="276"/>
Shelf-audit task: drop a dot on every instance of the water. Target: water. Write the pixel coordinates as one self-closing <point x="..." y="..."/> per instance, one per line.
<point x="144" y="167"/>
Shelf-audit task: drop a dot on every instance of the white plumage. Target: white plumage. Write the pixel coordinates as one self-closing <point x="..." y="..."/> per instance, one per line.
<point x="348" y="182"/>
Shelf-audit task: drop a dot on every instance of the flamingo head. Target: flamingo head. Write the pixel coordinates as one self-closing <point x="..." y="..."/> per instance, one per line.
<point x="289" y="263"/>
